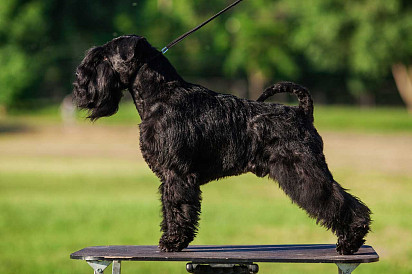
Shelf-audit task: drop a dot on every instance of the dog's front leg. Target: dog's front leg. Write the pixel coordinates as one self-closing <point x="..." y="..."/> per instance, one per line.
<point x="181" y="199"/>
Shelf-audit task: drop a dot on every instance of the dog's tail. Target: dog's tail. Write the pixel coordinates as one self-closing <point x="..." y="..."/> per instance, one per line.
<point x="304" y="98"/>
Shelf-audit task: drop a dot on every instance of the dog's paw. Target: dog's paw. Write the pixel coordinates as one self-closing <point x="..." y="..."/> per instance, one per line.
<point x="345" y="247"/>
<point x="172" y="243"/>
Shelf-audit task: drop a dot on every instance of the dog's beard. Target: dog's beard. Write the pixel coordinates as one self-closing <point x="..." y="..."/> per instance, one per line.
<point x="97" y="87"/>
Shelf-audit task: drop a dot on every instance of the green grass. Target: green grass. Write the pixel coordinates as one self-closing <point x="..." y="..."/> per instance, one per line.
<point x="381" y="120"/>
<point x="53" y="204"/>
<point x="44" y="216"/>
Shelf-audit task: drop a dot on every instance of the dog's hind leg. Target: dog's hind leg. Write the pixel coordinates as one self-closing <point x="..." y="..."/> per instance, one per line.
<point x="181" y="198"/>
<point x="308" y="182"/>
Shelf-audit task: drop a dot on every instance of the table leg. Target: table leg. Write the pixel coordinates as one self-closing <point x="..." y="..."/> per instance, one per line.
<point x="116" y="267"/>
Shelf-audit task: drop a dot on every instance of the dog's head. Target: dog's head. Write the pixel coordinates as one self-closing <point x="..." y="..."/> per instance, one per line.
<point x="106" y="71"/>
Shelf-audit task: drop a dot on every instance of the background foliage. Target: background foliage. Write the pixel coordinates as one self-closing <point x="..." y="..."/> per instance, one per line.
<point x="342" y="50"/>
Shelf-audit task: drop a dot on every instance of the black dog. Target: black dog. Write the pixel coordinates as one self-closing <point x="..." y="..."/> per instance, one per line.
<point x="190" y="135"/>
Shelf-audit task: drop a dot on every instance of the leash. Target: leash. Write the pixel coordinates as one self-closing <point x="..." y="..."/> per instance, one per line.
<point x="183" y="36"/>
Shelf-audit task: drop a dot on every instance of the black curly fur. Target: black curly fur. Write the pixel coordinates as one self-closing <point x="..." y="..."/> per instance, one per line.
<point x="190" y="135"/>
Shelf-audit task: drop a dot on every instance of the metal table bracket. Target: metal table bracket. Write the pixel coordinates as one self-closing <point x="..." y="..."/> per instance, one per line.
<point x="346" y="268"/>
<point x="100" y="266"/>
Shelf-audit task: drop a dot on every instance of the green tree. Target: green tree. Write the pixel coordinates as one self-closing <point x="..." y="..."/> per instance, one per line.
<point x="41" y="42"/>
<point x="164" y="20"/>
<point x="259" y="48"/>
<point x="21" y="29"/>
<point x="248" y="41"/>
<point x="359" y="39"/>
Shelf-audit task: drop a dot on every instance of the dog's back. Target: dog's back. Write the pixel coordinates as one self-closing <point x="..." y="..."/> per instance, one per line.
<point x="215" y="135"/>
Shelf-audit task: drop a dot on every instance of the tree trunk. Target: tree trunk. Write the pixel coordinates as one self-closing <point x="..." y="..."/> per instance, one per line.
<point x="3" y="110"/>
<point x="256" y="84"/>
<point x="403" y="79"/>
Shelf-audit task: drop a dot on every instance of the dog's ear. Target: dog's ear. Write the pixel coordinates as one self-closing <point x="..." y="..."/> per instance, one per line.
<point x="127" y="48"/>
<point x="143" y="51"/>
<point x="97" y="87"/>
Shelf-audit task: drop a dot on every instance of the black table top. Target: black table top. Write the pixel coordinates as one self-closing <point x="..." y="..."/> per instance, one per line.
<point x="229" y="254"/>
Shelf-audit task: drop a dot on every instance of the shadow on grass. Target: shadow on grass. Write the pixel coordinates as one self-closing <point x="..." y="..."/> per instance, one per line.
<point x="13" y="128"/>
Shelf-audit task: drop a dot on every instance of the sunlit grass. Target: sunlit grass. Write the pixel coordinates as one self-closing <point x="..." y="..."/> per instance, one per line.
<point x="53" y="203"/>
<point x="44" y="216"/>
<point x="382" y="120"/>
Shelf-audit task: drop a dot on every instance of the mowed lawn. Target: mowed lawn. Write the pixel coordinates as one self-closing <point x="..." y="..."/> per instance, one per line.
<point x="63" y="188"/>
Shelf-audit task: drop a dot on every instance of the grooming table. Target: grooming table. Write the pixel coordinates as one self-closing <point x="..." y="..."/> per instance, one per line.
<point x="224" y="258"/>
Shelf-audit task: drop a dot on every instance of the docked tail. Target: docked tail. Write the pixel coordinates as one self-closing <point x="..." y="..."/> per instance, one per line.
<point x="304" y="98"/>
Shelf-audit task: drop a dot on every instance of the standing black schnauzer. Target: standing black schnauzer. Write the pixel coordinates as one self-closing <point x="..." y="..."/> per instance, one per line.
<point x="190" y="135"/>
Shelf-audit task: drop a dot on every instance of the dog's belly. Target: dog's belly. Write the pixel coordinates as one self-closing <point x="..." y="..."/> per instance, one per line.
<point x="208" y="151"/>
